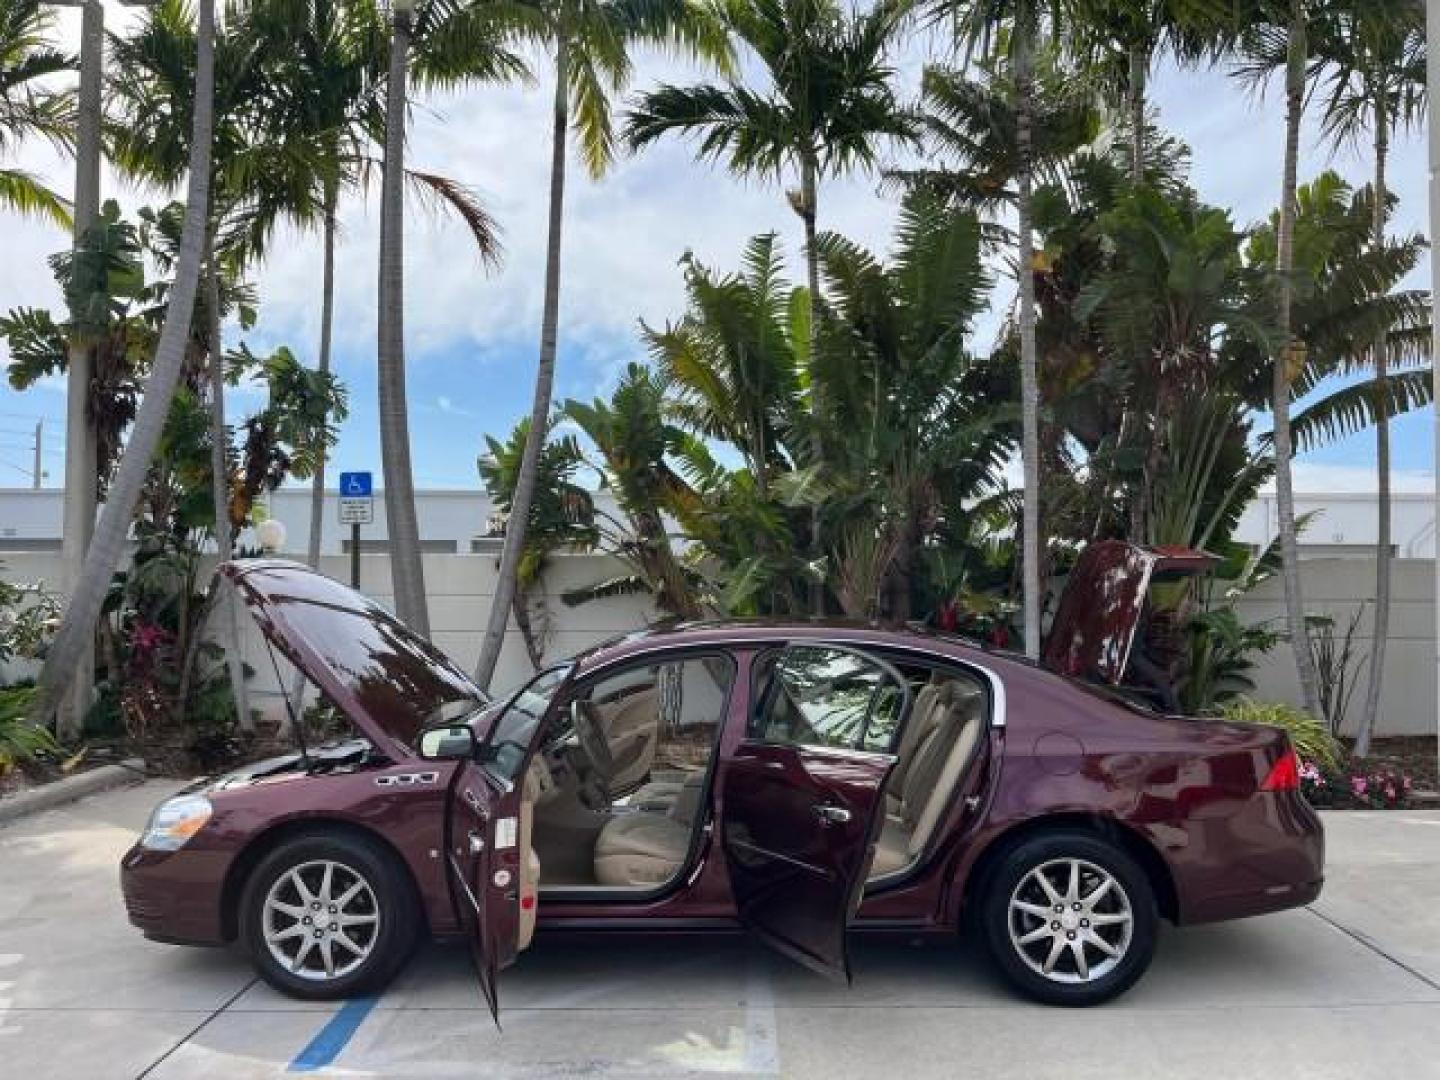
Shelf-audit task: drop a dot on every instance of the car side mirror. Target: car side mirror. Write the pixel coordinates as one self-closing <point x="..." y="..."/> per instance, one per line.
<point x="448" y="742"/>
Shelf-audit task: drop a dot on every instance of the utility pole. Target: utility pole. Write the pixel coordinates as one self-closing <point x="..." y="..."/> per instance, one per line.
<point x="1432" y="78"/>
<point x="39" y="443"/>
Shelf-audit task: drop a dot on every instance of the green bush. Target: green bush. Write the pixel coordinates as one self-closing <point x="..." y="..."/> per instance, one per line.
<point x="20" y="740"/>
<point x="1308" y="735"/>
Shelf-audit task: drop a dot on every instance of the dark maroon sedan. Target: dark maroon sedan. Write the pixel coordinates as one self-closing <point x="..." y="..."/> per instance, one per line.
<point x="797" y="781"/>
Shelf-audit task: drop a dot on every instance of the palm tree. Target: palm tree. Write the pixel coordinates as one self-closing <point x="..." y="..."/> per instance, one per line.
<point x="108" y="544"/>
<point x="562" y="514"/>
<point x="1120" y="40"/>
<point x="827" y="109"/>
<point x="406" y="568"/>
<point x="255" y="182"/>
<point x="1008" y="31"/>
<point x="1275" y="33"/>
<point x="28" y="108"/>
<point x="633" y="438"/>
<point x="1376" y="59"/>
<point x="454" y="41"/>
<point x="926" y="417"/>
<point x="324" y="72"/>
<point x="590" y="41"/>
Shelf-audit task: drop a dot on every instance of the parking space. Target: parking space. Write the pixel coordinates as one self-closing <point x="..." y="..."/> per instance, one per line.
<point x="1349" y="989"/>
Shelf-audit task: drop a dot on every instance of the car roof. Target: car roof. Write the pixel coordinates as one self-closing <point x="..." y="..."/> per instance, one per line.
<point x="766" y="631"/>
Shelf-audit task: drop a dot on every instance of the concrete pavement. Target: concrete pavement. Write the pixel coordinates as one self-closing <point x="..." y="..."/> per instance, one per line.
<point x="1349" y="989"/>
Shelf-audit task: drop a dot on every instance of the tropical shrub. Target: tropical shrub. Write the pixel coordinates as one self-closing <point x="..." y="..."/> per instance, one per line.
<point x="1220" y="658"/>
<point x="20" y="740"/>
<point x="1312" y="741"/>
<point x="28" y="617"/>
<point x="1338" y="665"/>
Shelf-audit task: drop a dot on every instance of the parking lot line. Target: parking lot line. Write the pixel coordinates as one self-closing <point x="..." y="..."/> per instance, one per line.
<point x="325" y="1047"/>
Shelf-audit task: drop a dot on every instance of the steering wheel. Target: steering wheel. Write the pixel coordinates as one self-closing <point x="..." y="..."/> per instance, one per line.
<point x="592" y="738"/>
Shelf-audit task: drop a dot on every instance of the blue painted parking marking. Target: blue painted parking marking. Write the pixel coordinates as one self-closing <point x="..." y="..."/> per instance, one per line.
<point x="330" y="1040"/>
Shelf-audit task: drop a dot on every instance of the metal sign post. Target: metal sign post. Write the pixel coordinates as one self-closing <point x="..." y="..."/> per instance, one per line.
<point x="357" y="507"/>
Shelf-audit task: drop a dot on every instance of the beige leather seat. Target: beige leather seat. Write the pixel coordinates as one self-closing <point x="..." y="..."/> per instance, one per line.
<point x="641" y="848"/>
<point x="632" y="726"/>
<point x="930" y="777"/>
<point x="676" y="794"/>
<point x="930" y="705"/>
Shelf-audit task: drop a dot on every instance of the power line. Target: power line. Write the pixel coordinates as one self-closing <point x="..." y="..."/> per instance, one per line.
<point x="47" y="417"/>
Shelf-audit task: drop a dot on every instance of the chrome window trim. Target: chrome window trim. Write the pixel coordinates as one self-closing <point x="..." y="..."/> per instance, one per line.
<point x="998" y="699"/>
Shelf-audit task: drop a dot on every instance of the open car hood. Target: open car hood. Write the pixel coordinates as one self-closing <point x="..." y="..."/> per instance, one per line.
<point x="386" y="678"/>
<point x="1101" y="606"/>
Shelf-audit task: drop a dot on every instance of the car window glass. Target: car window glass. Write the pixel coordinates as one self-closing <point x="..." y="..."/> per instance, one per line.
<point x="819" y="695"/>
<point x="660" y="718"/>
<point x="509" y="741"/>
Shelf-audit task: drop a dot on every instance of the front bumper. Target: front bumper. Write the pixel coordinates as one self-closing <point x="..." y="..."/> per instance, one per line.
<point x="175" y="896"/>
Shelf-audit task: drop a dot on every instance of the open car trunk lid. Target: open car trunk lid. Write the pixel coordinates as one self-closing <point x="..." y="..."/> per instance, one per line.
<point x="387" y="679"/>
<point x="1102" y="603"/>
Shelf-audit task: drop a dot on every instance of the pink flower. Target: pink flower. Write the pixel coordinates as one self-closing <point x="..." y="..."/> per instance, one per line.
<point x="1389" y="793"/>
<point x="1358" y="786"/>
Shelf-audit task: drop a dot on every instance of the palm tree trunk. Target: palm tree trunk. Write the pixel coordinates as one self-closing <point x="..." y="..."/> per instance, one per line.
<point x="407" y="572"/>
<point x="1029" y="375"/>
<point x="80" y="436"/>
<point x="1139" y="63"/>
<point x="317" y="482"/>
<point x="809" y="196"/>
<point x="327" y="319"/>
<point x="1376" y="680"/>
<point x="1280" y="391"/>
<point x="507" y="583"/>
<point x="534" y="648"/>
<point x="220" y="489"/>
<point x="108" y="545"/>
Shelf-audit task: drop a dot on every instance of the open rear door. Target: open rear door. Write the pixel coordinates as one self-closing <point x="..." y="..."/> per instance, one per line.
<point x="802" y="799"/>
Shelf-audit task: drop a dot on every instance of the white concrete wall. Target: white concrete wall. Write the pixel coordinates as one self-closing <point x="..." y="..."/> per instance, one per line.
<point x="461" y="586"/>
<point x="1336" y="587"/>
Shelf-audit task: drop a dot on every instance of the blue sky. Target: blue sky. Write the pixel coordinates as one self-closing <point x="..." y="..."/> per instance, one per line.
<point x="472" y="337"/>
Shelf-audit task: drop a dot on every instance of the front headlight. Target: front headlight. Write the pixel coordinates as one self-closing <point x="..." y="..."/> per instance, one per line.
<point x="175" y="821"/>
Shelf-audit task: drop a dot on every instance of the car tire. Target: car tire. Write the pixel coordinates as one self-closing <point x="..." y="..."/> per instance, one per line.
<point x="367" y="918"/>
<point x="1095" y="932"/>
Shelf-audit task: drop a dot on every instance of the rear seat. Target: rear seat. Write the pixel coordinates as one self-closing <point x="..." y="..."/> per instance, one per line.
<point x="955" y="719"/>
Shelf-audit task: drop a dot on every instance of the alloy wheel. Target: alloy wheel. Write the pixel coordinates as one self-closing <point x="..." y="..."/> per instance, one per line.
<point x="320" y="920"/>
<point x="1070" y="921"/>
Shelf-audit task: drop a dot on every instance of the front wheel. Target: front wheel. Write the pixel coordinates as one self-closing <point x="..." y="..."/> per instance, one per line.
<point x="1069" y="919"/>
<point x="328" y="916"/>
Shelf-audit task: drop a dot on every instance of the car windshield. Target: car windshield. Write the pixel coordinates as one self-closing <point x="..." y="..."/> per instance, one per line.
<point x="513" y="731"/>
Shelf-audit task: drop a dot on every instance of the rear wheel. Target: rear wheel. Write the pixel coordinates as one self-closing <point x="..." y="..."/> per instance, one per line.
<point x="328" y="916"/>
<point x="1069" y="918"/>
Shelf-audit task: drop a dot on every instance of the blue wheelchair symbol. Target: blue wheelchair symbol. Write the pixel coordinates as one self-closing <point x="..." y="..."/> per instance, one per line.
<point x="355" y="485"/>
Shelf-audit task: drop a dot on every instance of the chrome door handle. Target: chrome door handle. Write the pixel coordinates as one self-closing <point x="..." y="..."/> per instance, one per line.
<point x="832" y="815"/>
<point x="477" y="843"/>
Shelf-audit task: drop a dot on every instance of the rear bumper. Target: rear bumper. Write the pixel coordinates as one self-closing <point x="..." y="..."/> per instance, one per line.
<point x="174" y="896"/>
<point x="1266" y="856"/>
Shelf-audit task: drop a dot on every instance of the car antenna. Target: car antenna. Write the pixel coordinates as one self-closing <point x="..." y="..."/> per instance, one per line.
<point x="295" y="725"/>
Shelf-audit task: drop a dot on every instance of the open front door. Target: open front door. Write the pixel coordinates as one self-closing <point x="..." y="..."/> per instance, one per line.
<point x="486" y="843"/>
<point x="470" y="844"/>
<point x="802" y="798"/>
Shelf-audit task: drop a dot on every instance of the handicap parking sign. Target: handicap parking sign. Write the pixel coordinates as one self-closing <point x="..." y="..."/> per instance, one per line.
<point x="357" y="503"/>
<point x="355" y="485"/>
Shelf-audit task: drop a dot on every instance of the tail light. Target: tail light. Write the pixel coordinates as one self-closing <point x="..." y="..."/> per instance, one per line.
<point x="1284" y="775"/>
